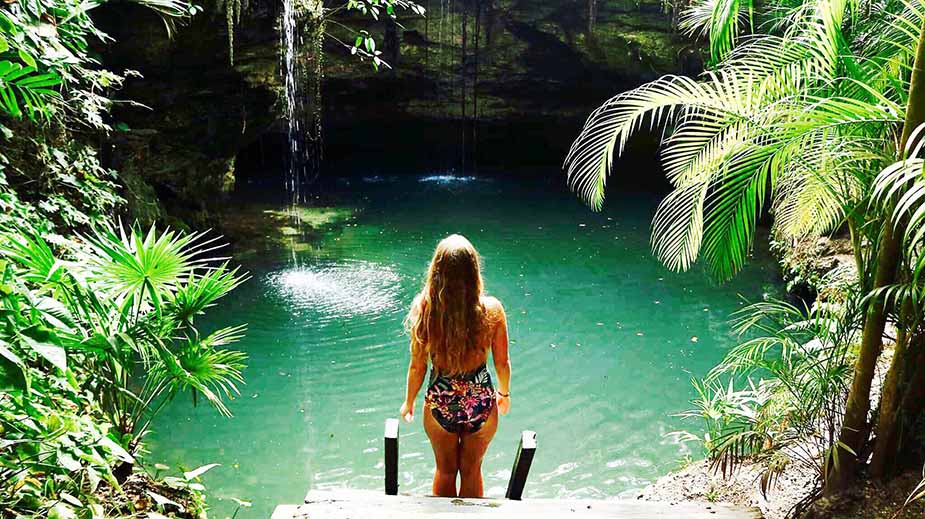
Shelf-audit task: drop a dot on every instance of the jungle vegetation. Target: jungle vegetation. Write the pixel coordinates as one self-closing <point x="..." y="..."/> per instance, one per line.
<point x="812" y="113"/>
<point x="97" y="317"/>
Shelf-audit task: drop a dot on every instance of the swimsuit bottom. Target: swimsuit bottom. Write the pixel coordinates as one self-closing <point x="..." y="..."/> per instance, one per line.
<point x="461" y="403"/>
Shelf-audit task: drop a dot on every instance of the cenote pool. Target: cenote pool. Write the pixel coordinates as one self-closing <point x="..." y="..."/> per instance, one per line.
<point x="604" y="341"/>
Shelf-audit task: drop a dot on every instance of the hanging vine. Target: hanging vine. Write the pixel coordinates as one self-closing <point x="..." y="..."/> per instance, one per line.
<point x="303" y="25"/>
<point x="232" y="10"/>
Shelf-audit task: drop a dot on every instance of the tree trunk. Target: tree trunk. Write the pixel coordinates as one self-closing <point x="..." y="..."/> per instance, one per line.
<point x="855" y="431"/>
<point x="899" y="394"/>
<point x="909" y="446"/>
<point x="894" y="387"/>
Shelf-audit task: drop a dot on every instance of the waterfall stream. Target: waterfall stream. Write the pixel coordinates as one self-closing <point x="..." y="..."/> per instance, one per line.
<point x="301" y="68"/>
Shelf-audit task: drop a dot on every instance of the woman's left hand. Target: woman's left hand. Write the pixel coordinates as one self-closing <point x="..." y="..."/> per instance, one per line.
<point x="504" y="404"/>
<point x="407" y="411"/>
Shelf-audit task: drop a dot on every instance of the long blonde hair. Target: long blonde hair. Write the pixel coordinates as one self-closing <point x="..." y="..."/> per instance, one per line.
<point x="448" y="319"/>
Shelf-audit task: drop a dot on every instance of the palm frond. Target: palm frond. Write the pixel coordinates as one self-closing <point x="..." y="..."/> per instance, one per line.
<point x="143" y="269"/>
<point x="199" y="291"/>
<point x="720" y="20"/>
<point x="677" y="228"/>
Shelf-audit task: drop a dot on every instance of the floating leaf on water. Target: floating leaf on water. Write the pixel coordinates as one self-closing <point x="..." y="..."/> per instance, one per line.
<point x="241" y="502"/>
<point x="193" y="474"/>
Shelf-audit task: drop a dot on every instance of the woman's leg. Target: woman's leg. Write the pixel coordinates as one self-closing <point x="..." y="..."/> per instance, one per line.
<point x="473" y="450"/>
<point x="446" y="454"/>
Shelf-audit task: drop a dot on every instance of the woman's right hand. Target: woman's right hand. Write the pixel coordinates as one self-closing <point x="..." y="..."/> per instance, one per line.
<point x="504" y="404"/>
<point x="407" y="411"/>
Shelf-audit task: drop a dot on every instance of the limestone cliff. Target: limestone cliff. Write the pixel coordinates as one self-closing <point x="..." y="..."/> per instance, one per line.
<point x="474" y="84"/>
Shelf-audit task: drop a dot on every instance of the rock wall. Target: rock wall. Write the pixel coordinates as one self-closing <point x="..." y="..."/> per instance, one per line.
<point x="474" y="84"/>
<point x="191" y="110"/>
<point x="491" y="83"/>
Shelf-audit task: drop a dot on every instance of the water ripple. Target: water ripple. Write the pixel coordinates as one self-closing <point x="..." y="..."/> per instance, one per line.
<point x="447" y="179"/>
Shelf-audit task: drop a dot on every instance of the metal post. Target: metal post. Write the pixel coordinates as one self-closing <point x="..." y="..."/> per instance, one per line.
<point x="391" y="456"/>
<point x="522" y="462"/>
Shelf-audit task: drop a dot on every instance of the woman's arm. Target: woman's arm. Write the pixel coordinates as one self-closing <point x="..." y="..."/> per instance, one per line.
<point x="502" y="360"/>
<point x="417" y="370"/>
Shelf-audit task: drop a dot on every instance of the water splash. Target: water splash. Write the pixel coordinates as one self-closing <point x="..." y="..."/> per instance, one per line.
<point x="448" y="179"/>
<point x="339" y="290"/>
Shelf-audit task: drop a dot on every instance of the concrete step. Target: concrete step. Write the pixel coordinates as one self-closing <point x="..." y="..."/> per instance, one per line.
<point x="360" y="504"/>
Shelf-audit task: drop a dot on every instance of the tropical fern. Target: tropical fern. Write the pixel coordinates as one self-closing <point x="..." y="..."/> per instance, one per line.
<point x="25" y="91"/>
<point x="789" y="415"/>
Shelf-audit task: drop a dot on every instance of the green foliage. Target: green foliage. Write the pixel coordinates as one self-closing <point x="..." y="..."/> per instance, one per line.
<point x="720" y="21"/>
<point x="55" y="453"/>
<point x="49" y="184"/>
<point x="901" y="186"/>
<point x="799" y="118"/>
<point x="21" y="86"/>
<point x="93" y="344"/>
<point x="791" y="413"/>
<point x="46" y="66"/>
<point x="800" y="121"/>
<point x="364" y="45"/>
<point x="54" y="97"/>
<point x="97" y="331"/>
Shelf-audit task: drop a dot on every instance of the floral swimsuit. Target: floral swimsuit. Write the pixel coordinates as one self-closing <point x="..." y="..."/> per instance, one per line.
<point x="460" y="403"/>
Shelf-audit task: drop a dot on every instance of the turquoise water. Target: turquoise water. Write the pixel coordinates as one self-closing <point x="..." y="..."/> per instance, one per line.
<point x="604" y="341"/>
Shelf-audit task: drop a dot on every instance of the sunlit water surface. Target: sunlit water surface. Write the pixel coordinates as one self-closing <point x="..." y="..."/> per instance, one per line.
<point x="604" y="342"/>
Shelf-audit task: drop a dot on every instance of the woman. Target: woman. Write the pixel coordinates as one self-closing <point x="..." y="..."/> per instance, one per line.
<point x="453" y="326"/>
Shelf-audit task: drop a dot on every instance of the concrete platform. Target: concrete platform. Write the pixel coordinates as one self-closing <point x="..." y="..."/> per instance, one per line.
<point x="359" y="504"/>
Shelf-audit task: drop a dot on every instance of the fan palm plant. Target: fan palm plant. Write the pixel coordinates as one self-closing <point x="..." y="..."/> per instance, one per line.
<point x="133" y="299"/>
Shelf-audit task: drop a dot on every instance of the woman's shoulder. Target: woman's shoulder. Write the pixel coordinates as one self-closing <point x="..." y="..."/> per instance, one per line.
<point x="492" y="305"/>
